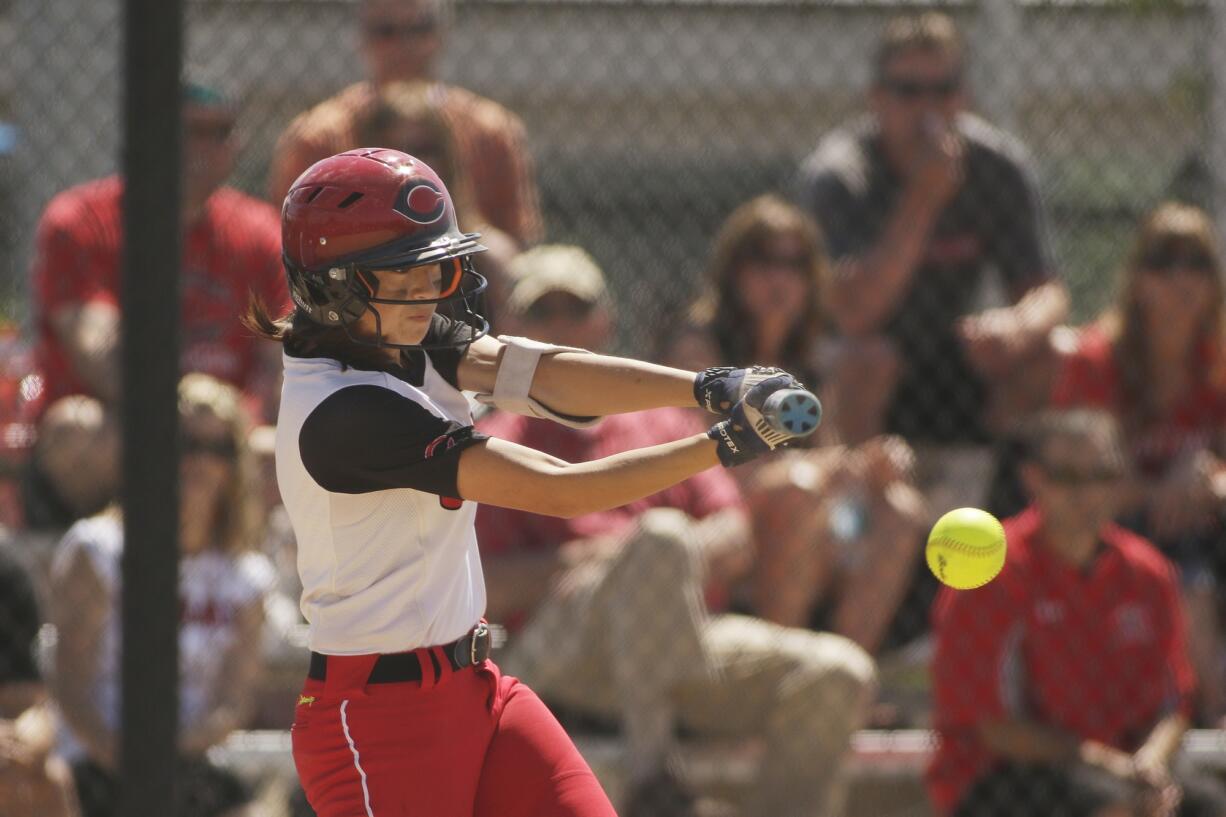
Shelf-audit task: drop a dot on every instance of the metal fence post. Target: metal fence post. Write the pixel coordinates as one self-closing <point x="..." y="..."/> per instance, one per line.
<point x="151" y="147"/>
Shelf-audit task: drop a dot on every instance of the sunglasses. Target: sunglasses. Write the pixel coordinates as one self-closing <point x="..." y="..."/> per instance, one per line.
<point x="1063" y="475"/>
<point x="914" y="89"/>
<point x="400" y="31"/>
<point x="795" y="263"/>
<point x="215" y="132"/>
<point x="1166" y="260"/>
<point x="220" y="447"/>
<point x="547" y="309"/>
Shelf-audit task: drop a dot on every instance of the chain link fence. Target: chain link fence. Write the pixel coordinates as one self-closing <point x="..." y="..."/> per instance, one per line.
<point x="648" y="126"/>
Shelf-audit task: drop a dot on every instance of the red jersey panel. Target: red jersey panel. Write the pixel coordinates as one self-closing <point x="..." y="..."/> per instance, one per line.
<point x="1099" y="653"/>
<point x="1090" y="377"/>
<point x="235" y="247"/>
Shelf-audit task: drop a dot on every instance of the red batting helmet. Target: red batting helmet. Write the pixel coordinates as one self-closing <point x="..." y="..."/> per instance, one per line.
<point x="372" y="209"/>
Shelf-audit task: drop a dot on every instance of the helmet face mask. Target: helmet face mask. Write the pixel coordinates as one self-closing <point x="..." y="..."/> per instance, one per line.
<point x="367" y="210"/>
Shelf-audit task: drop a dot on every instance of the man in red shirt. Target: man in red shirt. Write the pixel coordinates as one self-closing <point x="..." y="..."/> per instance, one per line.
<point x="231" y="247"/>
<point x="610" y="612"/>
<point x="402" y="41"/>
<point x="1064" y="686"/>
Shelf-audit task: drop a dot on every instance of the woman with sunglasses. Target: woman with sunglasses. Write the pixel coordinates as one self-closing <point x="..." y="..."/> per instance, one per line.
<point x="222" y="588"/>
<point x="381" y="472"/>
<point x="834" y="525"/>
<point x="1157" y="358"/>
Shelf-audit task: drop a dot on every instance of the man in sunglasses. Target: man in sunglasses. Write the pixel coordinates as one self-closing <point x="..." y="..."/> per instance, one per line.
<point x="231" y="247"/>
<point x="401" y="41"/>
<point x="1064" y="686"/>
<point x="919" y="201"/>
<point x="611" y="613"/>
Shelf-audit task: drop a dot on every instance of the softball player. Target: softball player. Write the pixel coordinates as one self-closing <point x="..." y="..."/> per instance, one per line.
<point x="380" y="470"/>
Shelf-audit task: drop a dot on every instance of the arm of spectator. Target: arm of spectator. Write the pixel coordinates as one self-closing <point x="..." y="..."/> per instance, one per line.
<point x="584" y="385"/>
<point x="995" y="340"/>
<point x="508" y="195"/>
<point x="80" y="605"/>
<point x="1028" y="742"/>
<point x="232" y="699"/>
<point x="865" y="288"/>
<point x="1155" y="755"/>
<point x="89" y="334"/>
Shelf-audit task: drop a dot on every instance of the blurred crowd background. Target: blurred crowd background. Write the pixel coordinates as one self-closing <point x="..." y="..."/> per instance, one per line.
<point x="988" y="236"/>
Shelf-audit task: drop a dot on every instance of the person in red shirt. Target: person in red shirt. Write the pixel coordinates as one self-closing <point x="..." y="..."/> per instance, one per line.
<point x="231" y="248"/>
<point x="1157" y="360"/>
<point x="1064" y="686"/>
<point x="610" y="612"/>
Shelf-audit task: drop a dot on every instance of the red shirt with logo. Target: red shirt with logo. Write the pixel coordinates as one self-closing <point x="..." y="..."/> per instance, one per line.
<point x="234" y="248"/>
<point x="503" y="531"/>
<point x="1100" y="652"/>
<point x="1090" y="377"/>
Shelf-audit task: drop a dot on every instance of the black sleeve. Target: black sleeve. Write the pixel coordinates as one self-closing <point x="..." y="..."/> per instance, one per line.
<point x="19" y="622"/>
<point x="368" y="438"/>
<point x="447" y="361"/>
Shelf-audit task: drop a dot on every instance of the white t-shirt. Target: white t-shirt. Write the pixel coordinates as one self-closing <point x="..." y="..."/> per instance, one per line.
<point x="214" y="588"/>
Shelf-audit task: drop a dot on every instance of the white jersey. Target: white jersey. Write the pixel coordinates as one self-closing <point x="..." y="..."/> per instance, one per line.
<point x="366" y="465"/>
<point x="214" y="588"/>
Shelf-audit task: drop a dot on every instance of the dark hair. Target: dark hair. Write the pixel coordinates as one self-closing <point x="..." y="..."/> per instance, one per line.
<point x="744" y="236"/>
<point x="1168" y="223"/>
<point x="302" y="337"/>
<point x="1079" y="424"/>
<point x="930" y="31"/>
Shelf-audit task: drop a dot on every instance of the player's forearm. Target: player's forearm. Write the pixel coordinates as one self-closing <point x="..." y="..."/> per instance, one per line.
<point x="865" y="290"/>
<point x="594" y="385"/>
<point x="511" y="476"/>
<point x="1029" y="742"/>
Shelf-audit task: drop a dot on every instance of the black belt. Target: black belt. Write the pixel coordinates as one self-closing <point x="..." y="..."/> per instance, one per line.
<point x="397" y="667"/>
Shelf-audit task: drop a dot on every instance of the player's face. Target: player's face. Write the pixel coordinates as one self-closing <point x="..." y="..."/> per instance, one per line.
<point x="1076" y="483"/>
<point x="400" y="38"/>
<point x="918" y="88"/>
<point x="206" y="467"/>
<point x="405" y="323"/>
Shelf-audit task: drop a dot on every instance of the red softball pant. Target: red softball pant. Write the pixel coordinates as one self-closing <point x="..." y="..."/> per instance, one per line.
<point x="470" y="743"/>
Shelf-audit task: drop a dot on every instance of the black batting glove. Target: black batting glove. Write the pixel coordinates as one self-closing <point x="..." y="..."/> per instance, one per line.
<point x="720" y="388"/>
<point x="746" y="434"/>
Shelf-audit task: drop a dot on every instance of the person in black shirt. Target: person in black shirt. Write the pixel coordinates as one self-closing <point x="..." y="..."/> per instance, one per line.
<point x="918" y="202"/>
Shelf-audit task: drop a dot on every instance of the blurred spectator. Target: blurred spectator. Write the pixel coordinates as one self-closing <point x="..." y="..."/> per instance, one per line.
<point x="222" y="590"/>
<point x="833" y="527"/>
<point x="406" y="116"/>
<point x="232" y="246"/>
<point x="1064" y="686"/>
<point x="33" y="779"/>
<point x="1157" y="360"/>
<point x="919" y="200"/>
<point x="401" y="41"/>
<point x="610" y="611"/>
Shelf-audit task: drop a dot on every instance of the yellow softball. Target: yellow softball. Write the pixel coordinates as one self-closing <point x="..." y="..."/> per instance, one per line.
<point x="966" y="548"/>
